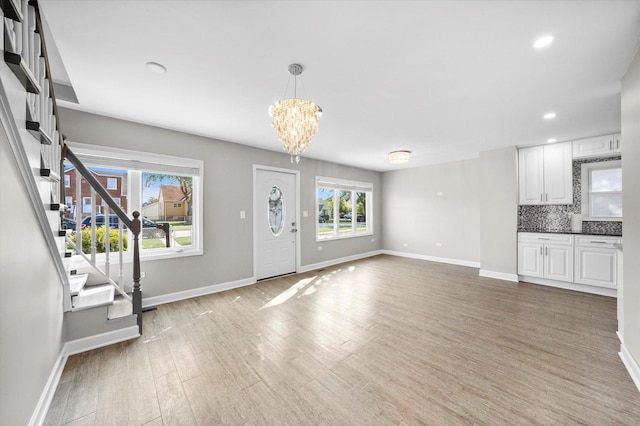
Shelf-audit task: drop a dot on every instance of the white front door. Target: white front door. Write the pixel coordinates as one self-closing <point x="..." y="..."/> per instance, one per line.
<point x="275" y="219"/>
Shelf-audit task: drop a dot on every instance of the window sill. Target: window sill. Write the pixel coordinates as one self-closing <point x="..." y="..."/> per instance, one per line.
<point x="602" y="219"/>
<point x="343" y="237"/>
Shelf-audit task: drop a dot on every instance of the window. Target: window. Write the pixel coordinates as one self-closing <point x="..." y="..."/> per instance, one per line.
<point x="143" y="176"/>
<point x="67" y="181"/>
<point x="343" y="208"/>
<point x="602" y="190"/>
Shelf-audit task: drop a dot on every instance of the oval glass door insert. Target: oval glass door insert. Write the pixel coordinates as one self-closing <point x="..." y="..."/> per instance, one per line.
<point x="276" y="211"/>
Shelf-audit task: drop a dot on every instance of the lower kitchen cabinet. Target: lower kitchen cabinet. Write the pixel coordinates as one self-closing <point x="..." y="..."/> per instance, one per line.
<point x="586" y="262"/>
<point x="545" y="256"/>
<point x="596" y="260"/>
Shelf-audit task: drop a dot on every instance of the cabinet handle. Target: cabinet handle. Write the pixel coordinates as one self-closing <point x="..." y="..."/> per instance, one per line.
<point x="598" y="242"/>
<point x="541" y="197"/>
<point x="540" y="250"/>
<point x="617" y="144"/>
<point x="543" y="238"/>
<point x="546" y="197"/>
<point x="610" y="145"/>
<point x="545" y="251"/>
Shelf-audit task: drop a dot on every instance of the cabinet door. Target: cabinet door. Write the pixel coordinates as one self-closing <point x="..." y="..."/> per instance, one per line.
<point x="530" y="175"/>
<point x="594" y="147"/>
<point x="558" y="170"/>
<point x="558" y="262"/>
<point x="596" y="266"/>
<point x="530" y="259"/>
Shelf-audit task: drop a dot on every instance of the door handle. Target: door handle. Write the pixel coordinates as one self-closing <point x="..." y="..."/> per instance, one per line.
<point x="294" y="230"/>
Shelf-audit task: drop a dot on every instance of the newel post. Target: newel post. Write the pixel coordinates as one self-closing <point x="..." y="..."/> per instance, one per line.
<point x="137" y="293"/>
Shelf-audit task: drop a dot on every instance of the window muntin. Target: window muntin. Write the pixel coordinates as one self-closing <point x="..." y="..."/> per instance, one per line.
<point x="602" y="190"/>
<point x="142" y="175"/>
<point x="342" y="208"/>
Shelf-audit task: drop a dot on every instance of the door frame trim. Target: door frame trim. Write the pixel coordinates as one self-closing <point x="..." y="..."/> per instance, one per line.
<point x="296" y="174"/>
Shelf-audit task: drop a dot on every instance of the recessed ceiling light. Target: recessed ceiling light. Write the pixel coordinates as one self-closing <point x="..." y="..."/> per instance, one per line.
<point x="543" y="42"/>
<point x="552" y="140"/>
<point x="156" y="68"/>
<point x="549" y="115"/>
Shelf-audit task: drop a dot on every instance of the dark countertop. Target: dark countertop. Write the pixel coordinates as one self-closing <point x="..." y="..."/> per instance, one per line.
<point x="569" y="231"/>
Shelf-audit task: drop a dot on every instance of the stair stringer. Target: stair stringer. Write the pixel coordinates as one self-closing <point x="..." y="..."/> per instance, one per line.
<point x="12" y="110"/>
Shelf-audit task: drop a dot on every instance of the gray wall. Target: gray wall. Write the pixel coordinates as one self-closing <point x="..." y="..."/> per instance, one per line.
<point x="631" y="206"/>
<point x="31" y="319"/>
<point x="498" y="210"/>
<point x="414" y="213"/>
<point x="228" y="181"/>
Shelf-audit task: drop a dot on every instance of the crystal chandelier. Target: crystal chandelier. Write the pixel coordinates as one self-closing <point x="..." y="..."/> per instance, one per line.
<point x="295" y="120"/>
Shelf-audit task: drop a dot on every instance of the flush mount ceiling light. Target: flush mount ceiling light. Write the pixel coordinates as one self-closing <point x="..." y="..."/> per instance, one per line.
<point x="156" y="68"/>
<point x="549" y="115"/>
<point x="543" y="42"/>
<point x="295" y="120"/>
<point x="552" y="140"/>
<point x="399" y="157"/>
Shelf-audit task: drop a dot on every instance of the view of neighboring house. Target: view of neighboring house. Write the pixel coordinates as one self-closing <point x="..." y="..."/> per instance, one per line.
<point x="172" y="203"/>
<point x="151" y="210"/>
<point x="114" y="181"/>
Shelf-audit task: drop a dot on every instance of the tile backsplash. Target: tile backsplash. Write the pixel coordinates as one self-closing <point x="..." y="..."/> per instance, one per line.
<point x="558" y="217"/>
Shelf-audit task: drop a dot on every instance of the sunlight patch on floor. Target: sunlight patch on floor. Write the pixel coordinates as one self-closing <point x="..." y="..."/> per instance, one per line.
<point x="288" y="293"/>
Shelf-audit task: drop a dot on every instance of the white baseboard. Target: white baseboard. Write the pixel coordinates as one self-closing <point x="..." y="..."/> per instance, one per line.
<point x="71" y="348"/>
<point x="99" y="340"/>
<point x="632" y="366"/>
<point x="602" y="291"/>
<point x="459" y="262"/>
<point x="498" y="275"/>
<point x="42" y="408"/>
<point x="325" y="264"/>
<point x="200" y="291"/>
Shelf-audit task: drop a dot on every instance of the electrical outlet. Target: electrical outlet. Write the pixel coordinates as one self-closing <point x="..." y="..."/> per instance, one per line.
<point x="243" y="214"/>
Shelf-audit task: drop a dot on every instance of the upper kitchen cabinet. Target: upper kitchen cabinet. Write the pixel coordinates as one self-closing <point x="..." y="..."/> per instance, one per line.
<point x="545" y="174"/>
<point x="599" y="146"/>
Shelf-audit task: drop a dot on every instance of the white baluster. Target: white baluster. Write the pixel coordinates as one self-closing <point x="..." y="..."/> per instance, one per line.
<point x="25" y="30"/>
<point x="31" y="35"/>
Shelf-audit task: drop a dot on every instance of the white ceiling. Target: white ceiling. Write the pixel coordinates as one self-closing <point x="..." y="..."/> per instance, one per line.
<point x="443" y="79"/>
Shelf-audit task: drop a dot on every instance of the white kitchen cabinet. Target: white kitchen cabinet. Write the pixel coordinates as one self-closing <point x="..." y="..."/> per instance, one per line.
<point x="545" y="174"/>
<point x="598" y="146"/>
<point x="596" y="260"/>
<point x="546" y="256"/>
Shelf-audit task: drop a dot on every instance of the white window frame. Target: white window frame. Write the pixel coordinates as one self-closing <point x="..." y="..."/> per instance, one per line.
<point x="137" y="162"/>
<point x="67" y="181"/>
<point x="585" y="172"/>
<point x="344" y="185"/>
<point x="111" y="180"/>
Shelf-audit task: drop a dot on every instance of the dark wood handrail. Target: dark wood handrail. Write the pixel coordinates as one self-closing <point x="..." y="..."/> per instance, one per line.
<point x="97" y="186"/>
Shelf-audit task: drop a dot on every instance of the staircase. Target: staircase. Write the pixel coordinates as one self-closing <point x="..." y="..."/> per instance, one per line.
<point x="95" y="301"/>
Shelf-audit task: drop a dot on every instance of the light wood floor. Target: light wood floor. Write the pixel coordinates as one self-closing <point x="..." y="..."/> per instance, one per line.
<point x="384" y="340"/>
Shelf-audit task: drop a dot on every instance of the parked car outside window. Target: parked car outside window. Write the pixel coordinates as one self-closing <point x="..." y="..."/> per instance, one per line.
<point x="113" y="221"/>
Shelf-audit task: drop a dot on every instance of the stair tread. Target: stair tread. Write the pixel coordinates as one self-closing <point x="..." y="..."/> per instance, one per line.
<point x="77" y="282"/>
<point x="93" y="297"/>
<point x="121" y="308"/>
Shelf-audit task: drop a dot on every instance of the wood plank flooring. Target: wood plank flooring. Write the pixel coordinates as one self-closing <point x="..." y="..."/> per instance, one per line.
<point x="384" y="340"/>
